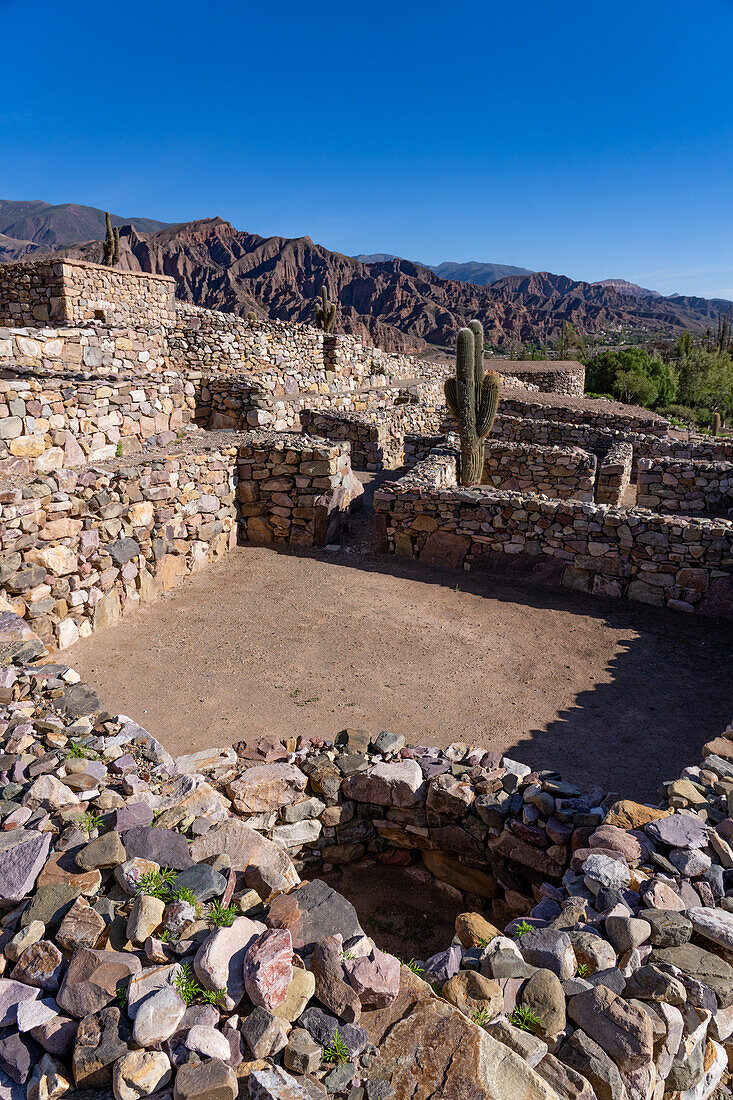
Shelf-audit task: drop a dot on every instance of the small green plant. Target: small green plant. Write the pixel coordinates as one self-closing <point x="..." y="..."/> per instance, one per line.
<point x="337" y="1051"/>
<point x="187" y="986"/>
<point x="184" y="894"/>
<point x="158" y="884"/>
<point x="348" y="955"/>
<point x="481" y="1016"/>
<point x="583" y="969"/>
<point x="118" y="450"/>
<point x="414" y="966"/>
<point x="522" y="929"/>
<point x="121" y="996"/>
<point x="221" y="916"/>
<point x="88" y="822"/>
<point x="75" y="748"/>
<point x="166" y="936"/>
<point x="524" y="1018"/>
<point x="213" y="997"/>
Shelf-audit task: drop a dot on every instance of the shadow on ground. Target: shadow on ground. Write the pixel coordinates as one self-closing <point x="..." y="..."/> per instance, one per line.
<point x="671" y="686"/>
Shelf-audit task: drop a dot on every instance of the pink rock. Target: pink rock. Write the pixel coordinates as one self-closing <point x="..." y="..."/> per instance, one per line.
<point x="375" y="977"/>
<point x="268" y="968"/>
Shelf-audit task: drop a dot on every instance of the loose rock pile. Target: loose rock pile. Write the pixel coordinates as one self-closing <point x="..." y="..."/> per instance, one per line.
<point x="155" y="941"/>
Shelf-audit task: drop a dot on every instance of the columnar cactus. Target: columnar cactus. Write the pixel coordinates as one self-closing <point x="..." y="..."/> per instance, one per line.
<point x="716" y="423"/>
<point x="473" y="399"/>
<point x="109" y="242"/>
<point x="325" y="312"/>
<point x="111" y="246"/>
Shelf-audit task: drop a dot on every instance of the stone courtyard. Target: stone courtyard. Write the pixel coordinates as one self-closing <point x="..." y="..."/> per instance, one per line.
<point x="301" y="714"/>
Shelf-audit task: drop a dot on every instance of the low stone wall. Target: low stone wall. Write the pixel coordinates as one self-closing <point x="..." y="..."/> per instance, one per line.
<point x="592" y="413"/>
<point x="73" y="291"/>
<point x="294" y="489"/>
<point x="54" y="423"/>
<point x="87" y="546"/>
<point x="554" y="471"/>
<point x="229" y="402"/>
<point x="670" y="486"/>
<point x="562" y="376"/>
<point x="286" y="357"/>
<point x="377" y="437"/>
<point x="614" y="473"/>
<point x="684" y="564"/>
<point x="600" y="440"/>
<point x="100" y="351"/>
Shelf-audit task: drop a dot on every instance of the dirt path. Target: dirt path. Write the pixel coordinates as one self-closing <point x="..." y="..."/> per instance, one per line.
<point x="274" y="642"/>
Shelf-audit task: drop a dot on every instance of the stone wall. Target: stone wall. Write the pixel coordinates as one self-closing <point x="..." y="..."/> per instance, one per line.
<point x="286" y="357"/>
<point x="554" y="471"/>
<point x="684" y="564"/>
<point x="72" y="292"/>
<point x="668" y="485"/>
<point x="567" y="376"/>
<point x="84" y="547"/>
<point x="78" y="351"/>
<point x="590" y="412"/>
<point x="377" y="437"/>
<point x="233" y="402"/>
<point x="600" y="440"/>
<point x="614" y="473"/>
<point x="294" y="489"/>
<point x="54" y="423"/>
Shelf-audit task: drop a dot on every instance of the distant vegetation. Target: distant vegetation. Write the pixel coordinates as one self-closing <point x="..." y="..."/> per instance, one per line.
<point x="688" y="380"/>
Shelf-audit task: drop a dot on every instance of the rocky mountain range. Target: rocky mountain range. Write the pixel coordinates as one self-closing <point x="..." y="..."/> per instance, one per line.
<point x="396" y="303"/>
<point x="36" y="226"/>
<point x="482" y="274"/>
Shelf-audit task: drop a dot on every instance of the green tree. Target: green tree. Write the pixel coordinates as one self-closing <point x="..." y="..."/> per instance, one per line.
<point x="634" y="388"/>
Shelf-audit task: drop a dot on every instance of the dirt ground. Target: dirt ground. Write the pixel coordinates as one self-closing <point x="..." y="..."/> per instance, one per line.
<point x="268" y="641"/>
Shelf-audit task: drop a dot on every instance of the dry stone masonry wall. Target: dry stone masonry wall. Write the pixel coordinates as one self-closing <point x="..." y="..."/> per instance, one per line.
<point x="614" y="473"/>
<point x="678" y="562"/>
<point x="101" y="350"/>
<point x="554" y="471"/>
<point x="550" y="377"/>
<point x="705" y="488"/>
<point x="295" y="490"/>
<point x="82" y="547"/>
<point x="48" y="425"/>
<point x="72" y="292"/>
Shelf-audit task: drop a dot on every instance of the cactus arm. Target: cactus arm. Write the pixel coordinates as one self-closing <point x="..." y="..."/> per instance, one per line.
<point x="478" y="345"/>
<point x="451" y="395"/>
<point x="488" y="403"/>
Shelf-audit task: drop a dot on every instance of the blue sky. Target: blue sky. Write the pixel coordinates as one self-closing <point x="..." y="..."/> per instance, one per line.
<point x="593" y="140"/>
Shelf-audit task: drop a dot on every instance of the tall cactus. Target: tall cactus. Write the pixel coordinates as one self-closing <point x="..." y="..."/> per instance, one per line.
<point x="473" y="399"/>
<point x="109" y="243"/>
<point x="716" y="423"/>
<point x="325" y="312"/>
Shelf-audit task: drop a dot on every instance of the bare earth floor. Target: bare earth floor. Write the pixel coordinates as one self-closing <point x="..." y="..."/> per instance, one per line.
<point x="290" y="644"/>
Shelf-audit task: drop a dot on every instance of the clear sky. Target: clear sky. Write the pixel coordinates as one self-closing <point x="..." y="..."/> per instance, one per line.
<point x="593" y="140"/>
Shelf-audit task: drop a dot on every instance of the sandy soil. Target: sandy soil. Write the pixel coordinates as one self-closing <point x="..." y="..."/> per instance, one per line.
<point x="273" y="642"/>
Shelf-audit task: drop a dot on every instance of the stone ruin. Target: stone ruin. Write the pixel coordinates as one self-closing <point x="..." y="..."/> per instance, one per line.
<point x="164" y="929"/>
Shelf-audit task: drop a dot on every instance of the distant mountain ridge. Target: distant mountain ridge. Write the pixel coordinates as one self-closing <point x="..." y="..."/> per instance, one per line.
<point x="36" y="226"/>
<point x="396" y="303"/>
<point x="481" y="274"/>
<point x="623" y="286"/>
